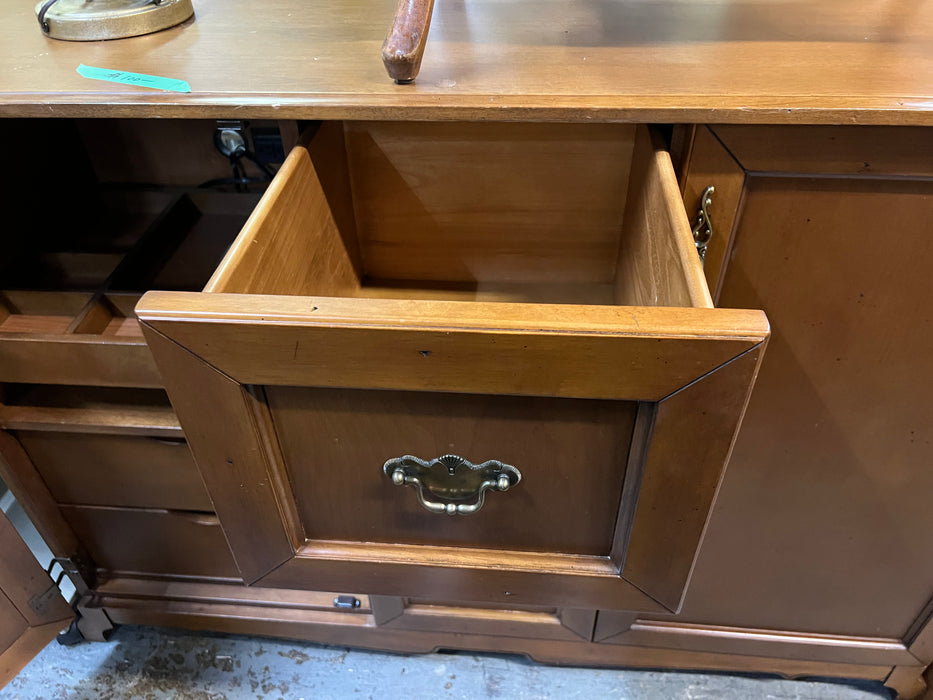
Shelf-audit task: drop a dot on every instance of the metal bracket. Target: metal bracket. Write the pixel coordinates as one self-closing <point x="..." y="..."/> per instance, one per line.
<point x="39" y="604"/>
<point x="346" y="602"/>
<point x="703" y="228"/>
<point x="79" y="569"/>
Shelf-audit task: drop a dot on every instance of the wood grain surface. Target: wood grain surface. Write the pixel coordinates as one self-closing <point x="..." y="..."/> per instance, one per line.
<point x="462" y="574"/>
<point x="571" y="454"/>
<point x="23" y="630"/>
<point x="838" y="430"/>
<point x="290" y="244"/>
<point x="826" y="150"/>
<point x="403" y="49"/>
<point x="231" y="456"/>
<point x="326" y="341"/>
<point x="674" y="61"/>
<point x="658" y="264"/>
<point x="90" y="410"/>
<point x="568" y="625"/>
<point x="153" y="540"/>
<point x="20" y="475"/>
<point x="196" y="605"/>
<point x="488" y="203"/>
<point x="692" y="438"/>
<point x="711" y="164"/>
<point x="117" y="470"/>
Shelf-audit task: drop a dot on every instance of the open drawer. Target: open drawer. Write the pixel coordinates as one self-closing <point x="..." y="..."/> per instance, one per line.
<point x="516" y="297"/>
<point x="67" y="293"/>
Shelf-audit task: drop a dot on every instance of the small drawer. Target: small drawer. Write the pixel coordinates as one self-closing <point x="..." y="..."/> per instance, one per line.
<point x="519" y="294"/>
<point x="67" y="316"/>
<point x="72" y="338"/>
<point x="117" y="470"/>
<point x="153" y="541"/>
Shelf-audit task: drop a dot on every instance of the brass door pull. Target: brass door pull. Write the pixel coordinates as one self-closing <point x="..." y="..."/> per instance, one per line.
<point x="703" y="228"/>
<point x="451" y="484"/>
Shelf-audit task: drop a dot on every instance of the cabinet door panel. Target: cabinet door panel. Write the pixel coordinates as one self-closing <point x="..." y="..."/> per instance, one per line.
<point x="25" y="627"/>
<point x="823" y="523"/>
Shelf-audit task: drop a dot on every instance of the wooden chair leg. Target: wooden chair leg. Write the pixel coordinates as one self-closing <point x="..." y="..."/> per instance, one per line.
<point x="404" y="45"/>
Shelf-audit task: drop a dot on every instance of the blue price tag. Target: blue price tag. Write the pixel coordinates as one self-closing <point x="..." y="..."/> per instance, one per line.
<point x="127" y="78"/>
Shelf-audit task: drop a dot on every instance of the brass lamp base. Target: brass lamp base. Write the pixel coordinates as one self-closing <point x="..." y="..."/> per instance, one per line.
<point x="94" y="20"/>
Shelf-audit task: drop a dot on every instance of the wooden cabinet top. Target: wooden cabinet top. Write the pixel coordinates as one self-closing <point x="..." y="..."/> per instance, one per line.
<point x="753" y="61"/>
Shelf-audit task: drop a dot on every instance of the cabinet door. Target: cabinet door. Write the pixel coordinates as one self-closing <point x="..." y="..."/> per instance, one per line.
<point x="825" y="511"/>
<point x="447" y="317"/>
<point x="32" y="611"/>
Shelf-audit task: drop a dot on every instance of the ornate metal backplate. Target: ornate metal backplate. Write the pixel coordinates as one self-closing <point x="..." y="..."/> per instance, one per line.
<point x="450" y="484"/>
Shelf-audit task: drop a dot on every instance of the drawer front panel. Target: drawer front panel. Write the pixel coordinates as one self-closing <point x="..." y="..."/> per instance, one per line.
<point x="153" y="541"/>
<point x="117" y="470"/>
<point x="571" y="454"/>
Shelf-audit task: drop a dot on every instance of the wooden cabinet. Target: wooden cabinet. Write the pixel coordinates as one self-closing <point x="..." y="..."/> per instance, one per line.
<point x="525" y="293"/>
<point x="493" y="262"/>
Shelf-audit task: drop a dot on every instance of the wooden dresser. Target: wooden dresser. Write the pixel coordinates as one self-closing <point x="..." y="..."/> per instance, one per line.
<point x="457" y="376"/>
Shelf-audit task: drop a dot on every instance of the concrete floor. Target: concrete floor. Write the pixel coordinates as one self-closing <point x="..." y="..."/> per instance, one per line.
<point x="151" y="663"/>
<point x="157" y="664"/>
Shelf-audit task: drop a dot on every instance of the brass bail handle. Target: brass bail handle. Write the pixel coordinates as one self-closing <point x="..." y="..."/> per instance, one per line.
<point x="451" y="484"/>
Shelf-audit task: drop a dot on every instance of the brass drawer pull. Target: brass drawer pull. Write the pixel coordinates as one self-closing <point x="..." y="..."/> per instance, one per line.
<point x="459" y="485"/>
<point x="703" y="228"/>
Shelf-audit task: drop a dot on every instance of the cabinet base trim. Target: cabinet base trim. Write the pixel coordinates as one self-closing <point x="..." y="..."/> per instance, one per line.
<point x="278" y="613"/>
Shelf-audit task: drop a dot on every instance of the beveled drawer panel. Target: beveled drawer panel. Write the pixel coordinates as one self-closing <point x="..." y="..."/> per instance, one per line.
<point x="572" y="455"/>
<point x="117" y="470"/>
<point x="515" y="294"/>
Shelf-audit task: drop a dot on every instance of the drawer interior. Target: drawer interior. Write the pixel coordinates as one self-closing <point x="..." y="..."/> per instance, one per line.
<point x="28" y="311"/>
<point x="533" y="213"/>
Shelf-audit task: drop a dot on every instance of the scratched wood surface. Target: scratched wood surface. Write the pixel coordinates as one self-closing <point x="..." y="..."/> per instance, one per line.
<point x="642" y="60"/>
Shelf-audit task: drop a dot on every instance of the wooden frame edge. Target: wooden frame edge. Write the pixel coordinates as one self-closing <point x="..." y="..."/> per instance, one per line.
<point x="710" y="409"/>
<point x="250" y="514"/>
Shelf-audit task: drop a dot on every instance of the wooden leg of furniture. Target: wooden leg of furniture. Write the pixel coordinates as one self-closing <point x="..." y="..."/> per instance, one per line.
<point x="93" y="623"/>
<point x="404" y="45"/>
<point x="909" y="683"/>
